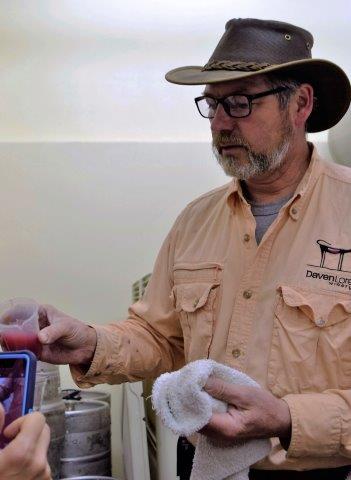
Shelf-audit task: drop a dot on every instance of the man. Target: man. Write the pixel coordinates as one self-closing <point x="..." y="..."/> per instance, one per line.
<point x="24" y="458"/>
<point x="255" y="274"/>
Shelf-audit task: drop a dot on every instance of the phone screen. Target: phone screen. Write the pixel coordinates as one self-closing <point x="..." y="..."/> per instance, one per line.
<point x="12" y="390"/>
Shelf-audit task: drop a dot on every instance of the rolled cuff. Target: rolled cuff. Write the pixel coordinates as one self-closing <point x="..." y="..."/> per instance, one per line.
<point x="97" y="370"/>
<point x="316" y="424"/>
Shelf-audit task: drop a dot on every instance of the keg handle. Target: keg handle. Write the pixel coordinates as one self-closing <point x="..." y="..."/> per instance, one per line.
<point x="72" y="395"/>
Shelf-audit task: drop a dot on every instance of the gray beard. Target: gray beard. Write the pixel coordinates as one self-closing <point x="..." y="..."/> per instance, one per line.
<point x="258" y="164"/>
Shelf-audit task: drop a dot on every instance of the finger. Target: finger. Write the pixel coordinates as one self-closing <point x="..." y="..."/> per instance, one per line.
<point x="29" y="448"/>
<point x="44" y="440"/>
<point x="43" y="316"/>
<point x="43" y="445"/>
<point x="52" y="355"/>
<point x="11" y="431"/>
<point x="52" y="333"/>
<point x="31" y="424"/>
<point x="218" y="422"/>
<point x="238" y="395"/>
<point x="49" y="311"/>
<point x="39" y="468"/>
<point x="222" y="426"/>
<point x="45" y="476"/>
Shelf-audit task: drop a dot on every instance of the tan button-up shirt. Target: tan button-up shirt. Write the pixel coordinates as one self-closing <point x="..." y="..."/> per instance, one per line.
<point x="280" y="311"/>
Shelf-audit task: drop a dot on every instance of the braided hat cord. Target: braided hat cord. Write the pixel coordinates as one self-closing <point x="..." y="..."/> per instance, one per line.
<point x="241" y="66"/>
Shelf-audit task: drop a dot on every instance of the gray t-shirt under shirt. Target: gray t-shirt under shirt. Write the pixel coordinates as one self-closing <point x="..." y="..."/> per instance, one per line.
<point x="265" y="215"/>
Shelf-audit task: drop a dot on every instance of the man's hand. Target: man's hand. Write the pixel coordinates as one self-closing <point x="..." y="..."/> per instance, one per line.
<point x="25" y="457"/>
<point x="65" y="339"/>
<point x="252" y="413"/>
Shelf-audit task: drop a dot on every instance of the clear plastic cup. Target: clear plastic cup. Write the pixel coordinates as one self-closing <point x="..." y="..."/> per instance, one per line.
<point x="19" y="325"/>
<point x="39" y="390"/>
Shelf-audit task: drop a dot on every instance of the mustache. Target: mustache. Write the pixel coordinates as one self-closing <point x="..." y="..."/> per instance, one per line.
<point x="221" y="140"/>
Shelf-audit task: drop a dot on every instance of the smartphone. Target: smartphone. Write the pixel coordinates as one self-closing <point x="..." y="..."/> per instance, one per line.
<point x="17" y="383"/>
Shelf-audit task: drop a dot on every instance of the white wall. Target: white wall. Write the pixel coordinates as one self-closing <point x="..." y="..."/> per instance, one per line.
<point x="339" y="140"/>
<point x="93" y="70"/>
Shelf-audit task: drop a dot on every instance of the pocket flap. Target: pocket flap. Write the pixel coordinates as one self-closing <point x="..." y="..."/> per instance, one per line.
<point x="191" y="296"/>
<point x="340" y="310"/>
<point x="300" y="299"/>
<point x="323" y="308"/>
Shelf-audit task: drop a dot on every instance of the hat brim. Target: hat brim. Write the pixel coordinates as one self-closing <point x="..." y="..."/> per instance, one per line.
<point x="331" y="85"/>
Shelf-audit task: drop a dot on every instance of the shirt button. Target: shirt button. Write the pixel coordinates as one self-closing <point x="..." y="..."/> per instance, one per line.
<point x="196" y="302"/>
<point x="294" y="211"/>
<point x="247" y="294"/>
<point x="246" y="237"/>
<point x="320" y="322"/>
<point x="236" y="353"/>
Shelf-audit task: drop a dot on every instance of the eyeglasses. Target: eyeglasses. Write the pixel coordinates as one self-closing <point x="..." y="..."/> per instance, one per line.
<point x="236" y="106"/>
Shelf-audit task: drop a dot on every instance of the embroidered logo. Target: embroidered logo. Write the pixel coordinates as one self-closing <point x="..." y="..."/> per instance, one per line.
<point x="328" y="248"/>
<point x="332" y="258"/>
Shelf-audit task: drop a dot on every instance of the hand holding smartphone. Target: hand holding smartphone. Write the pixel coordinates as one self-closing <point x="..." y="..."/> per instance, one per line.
<point x="26" y="454"/>
<point x="17" y="383"/>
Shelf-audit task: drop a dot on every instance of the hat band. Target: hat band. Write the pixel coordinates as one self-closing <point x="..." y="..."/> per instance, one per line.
<point x="229" y="65"/>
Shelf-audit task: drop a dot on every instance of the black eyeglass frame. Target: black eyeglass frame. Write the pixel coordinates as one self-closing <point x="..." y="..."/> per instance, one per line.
<point x="222" y="101"/>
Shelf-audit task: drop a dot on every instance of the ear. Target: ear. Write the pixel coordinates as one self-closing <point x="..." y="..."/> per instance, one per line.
<point x="302" y="104"/>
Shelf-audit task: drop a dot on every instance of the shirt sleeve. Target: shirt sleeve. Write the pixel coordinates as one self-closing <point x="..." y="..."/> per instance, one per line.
<point x="149" y="342"/>
<point x="321" y="424"/>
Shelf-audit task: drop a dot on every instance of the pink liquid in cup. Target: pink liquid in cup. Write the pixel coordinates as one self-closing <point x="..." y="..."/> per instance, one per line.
<point x="19" y="325"/>
<point x="19" y="340"/>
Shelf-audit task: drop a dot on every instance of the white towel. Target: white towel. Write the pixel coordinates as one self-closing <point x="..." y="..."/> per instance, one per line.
<point x="185" y="408"/>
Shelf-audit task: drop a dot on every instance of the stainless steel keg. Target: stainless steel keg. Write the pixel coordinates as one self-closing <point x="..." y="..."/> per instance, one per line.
<point x="53" y="407"/>
<point x="90" y="478"/>
<point x="87" y="445"/>
<point x="91" y="395"/>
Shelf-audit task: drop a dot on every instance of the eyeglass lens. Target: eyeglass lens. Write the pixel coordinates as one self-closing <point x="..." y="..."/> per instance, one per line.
<point x="235" y="106"/>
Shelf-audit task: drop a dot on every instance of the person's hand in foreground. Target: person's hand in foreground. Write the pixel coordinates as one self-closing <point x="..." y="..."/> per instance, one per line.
<point x="252" y="413"/>
<point x="65" y="339"/>
<point x="25" y="457"/>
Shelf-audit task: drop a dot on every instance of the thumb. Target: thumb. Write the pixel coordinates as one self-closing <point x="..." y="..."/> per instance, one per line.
<point x="32" y="424"/>
<point x="239" y="395"/>
<point x="219" y="389"/>
<point x="12" y="430"/>
<point x="52" y="333"/>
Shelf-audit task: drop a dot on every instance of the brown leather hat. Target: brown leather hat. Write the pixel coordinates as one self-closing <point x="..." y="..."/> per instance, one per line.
<point x="251" y="47"/>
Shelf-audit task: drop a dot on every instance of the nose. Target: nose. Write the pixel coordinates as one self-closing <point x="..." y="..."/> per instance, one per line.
<point x="221" y="122"/>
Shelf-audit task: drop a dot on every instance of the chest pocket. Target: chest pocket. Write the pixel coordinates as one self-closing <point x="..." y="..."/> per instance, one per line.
<point x="196" y="294"/>
<point x="311" y="343"/>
